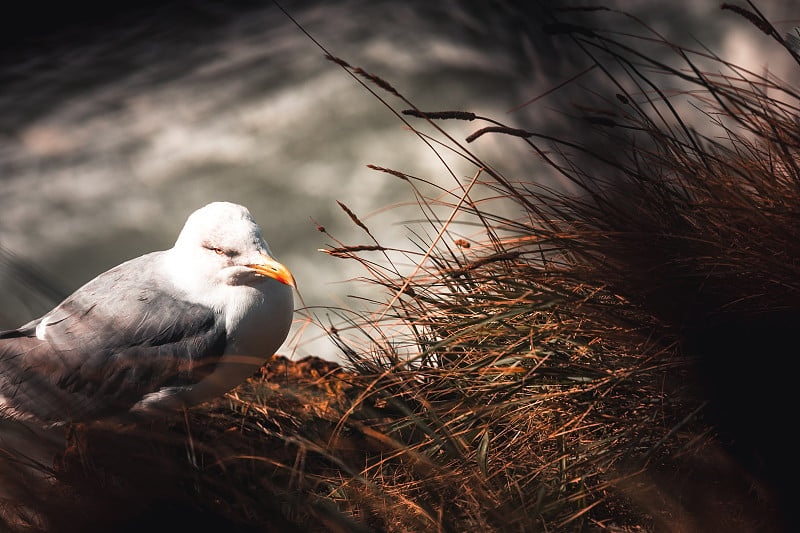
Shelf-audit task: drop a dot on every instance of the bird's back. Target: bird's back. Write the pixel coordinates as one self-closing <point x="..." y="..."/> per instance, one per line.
<point x="118" y="338"/>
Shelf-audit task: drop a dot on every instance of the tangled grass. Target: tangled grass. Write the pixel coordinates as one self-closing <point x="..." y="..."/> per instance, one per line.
<point x="556" y="359"/>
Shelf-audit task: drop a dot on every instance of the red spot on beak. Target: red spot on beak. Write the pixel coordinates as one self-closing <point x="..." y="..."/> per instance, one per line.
<point x="272" y="269"/>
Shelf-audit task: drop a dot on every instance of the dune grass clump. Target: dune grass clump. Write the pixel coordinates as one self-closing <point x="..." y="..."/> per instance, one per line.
<point x="597" y="359"/>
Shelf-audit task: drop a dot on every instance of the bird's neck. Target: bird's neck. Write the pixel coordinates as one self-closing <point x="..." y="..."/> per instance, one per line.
<point x="189" y="280"/>
<point x="258" y="317"/>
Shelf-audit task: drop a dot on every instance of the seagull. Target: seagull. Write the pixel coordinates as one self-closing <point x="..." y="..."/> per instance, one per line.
<point x="165" y="330"/>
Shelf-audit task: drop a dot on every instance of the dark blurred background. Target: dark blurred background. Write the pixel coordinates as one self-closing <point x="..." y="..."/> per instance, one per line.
<point x="119" y="119"/>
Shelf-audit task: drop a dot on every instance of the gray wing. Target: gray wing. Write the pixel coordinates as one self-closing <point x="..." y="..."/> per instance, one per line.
<point x="118" y="338"/>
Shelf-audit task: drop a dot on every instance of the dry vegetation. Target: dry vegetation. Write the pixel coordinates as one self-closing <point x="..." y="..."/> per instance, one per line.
<point x="607" y="360"/>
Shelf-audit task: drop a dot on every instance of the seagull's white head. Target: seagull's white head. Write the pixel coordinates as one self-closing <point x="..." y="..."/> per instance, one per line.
<point x="222" y="244"/>
<point x="220" y="260"/>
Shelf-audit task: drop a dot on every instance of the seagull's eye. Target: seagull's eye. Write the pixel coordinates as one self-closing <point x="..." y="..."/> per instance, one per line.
<point x="220" y="251"/>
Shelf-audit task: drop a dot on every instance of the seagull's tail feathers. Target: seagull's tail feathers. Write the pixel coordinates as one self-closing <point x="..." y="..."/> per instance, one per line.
<point x="29" y="368"/>
<point x="27" y="454"/>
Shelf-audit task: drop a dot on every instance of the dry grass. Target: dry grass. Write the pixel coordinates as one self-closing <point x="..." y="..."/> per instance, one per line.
<point x="602" y="337"/>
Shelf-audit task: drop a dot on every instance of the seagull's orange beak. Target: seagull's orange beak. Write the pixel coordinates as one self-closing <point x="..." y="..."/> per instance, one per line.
<point x="272" y="269"/>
